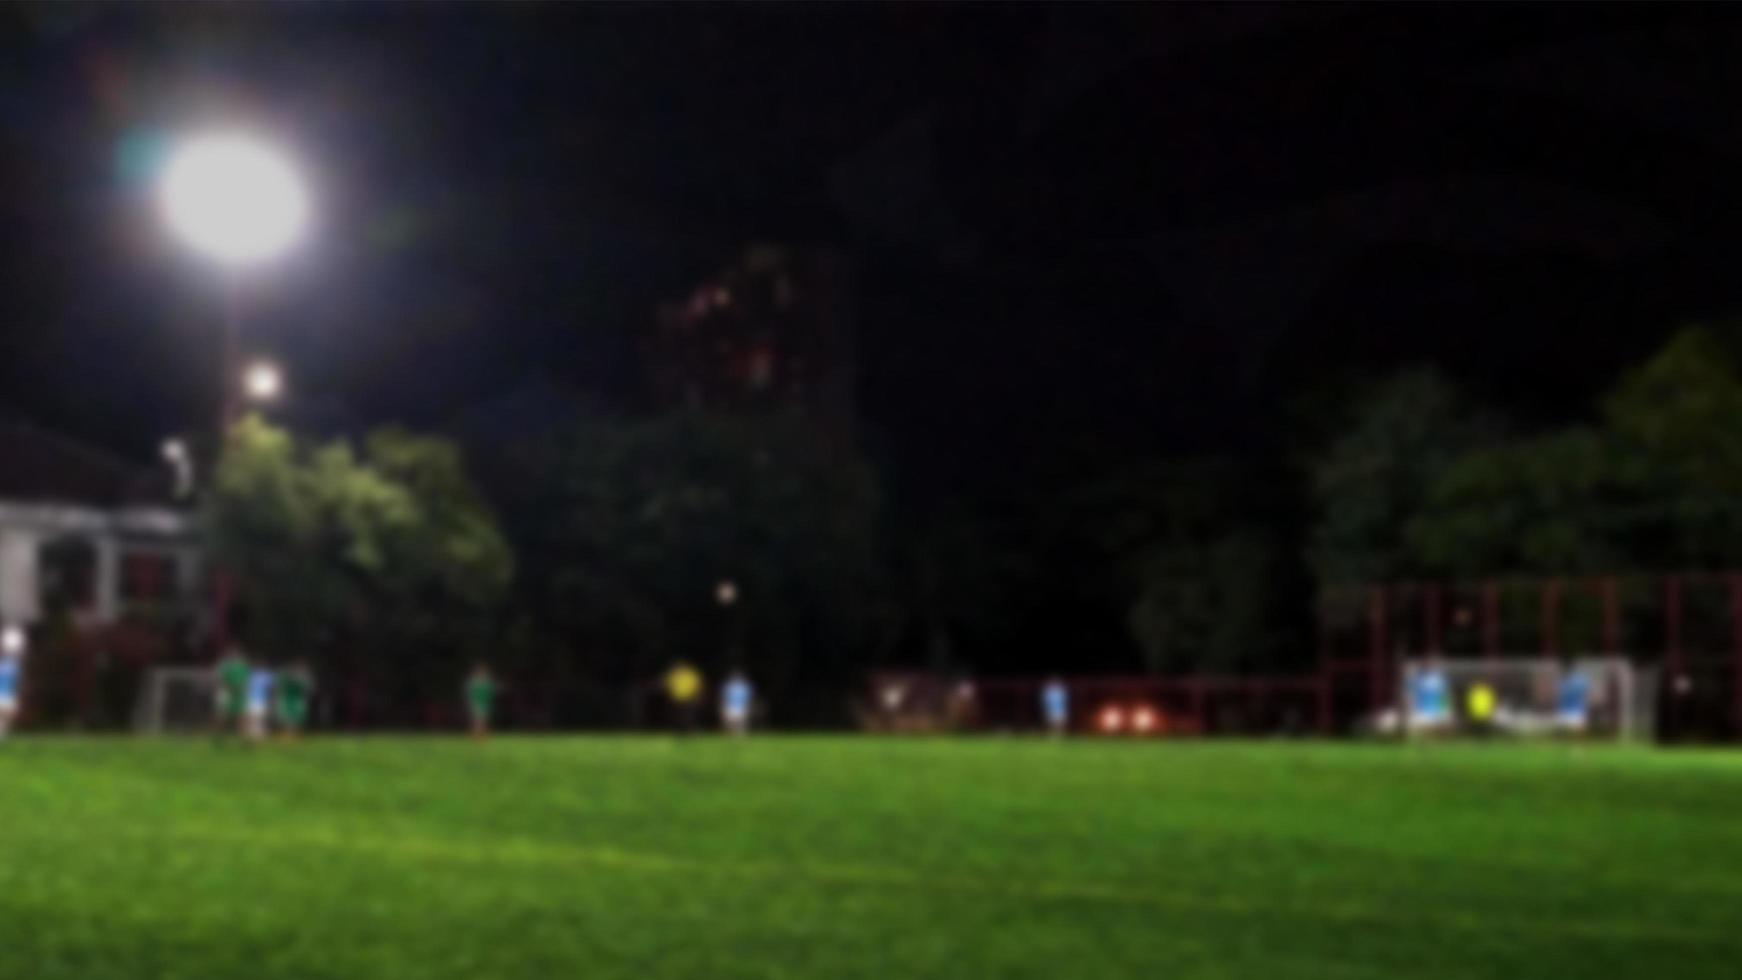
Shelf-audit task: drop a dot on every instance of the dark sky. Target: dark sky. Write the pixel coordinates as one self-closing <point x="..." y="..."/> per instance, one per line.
<point x="1102" y="231"/>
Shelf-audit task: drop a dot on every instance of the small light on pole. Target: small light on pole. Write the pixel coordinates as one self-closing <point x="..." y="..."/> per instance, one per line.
<point x="726" y="593"/>
<point x="262" y="382"/>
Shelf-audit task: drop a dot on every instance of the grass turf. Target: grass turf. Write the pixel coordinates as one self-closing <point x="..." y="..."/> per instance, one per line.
<point x="840" y="858"/>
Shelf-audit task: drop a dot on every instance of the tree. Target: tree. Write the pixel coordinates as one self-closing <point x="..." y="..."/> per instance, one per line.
<point x="628" y="527"/>
<point x="1376" y="477"/>
<point x="1552" y="504"/>
<point x="1658" y="486"/>
<point x="1194" y="570"/>
<point x="962" y="582"/>
<point x="362" y="562"/>
<point x="1678" y="418"/>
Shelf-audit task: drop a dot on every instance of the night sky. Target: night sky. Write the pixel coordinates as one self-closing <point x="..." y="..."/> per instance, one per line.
<point x="1084" y="234"/>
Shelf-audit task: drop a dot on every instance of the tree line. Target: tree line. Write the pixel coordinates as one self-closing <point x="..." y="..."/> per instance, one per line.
<point x="1424" y="484"/>
<point x="591" y="555"/>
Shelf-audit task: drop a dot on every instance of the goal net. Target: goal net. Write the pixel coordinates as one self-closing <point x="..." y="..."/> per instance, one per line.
<point x="177" y="700"/>
<point x="1597" y="697"/>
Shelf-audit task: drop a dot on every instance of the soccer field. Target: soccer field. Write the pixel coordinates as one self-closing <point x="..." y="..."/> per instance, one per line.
<point x="860" y="857"/>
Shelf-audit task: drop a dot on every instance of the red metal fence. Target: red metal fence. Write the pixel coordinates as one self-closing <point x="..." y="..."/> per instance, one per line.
<point x="1688" y="624"/>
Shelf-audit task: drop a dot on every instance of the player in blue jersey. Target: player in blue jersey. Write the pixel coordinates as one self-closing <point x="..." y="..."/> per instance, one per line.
<point x="1572" y="710"/>
<point x="1430" y="699"/>
<point x="737" y="698"/>
<point x="11" y="675"/>
<point x="259" y="710"/>
<point x="1055" y="706"/>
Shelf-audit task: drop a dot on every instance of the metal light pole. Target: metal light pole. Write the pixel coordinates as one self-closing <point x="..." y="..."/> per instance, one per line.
<point x="726" y="595"/>
<point x="238" y="202"/>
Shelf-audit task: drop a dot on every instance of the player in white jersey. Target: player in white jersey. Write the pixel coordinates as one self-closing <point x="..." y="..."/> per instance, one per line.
<point x="1573" y="702"/>
<point x="1430" y="699"/>
<point x="11" y="675"/>
<point x="1055" y="705"/>
<point x="736" y="699"/>
<point x="259" y="711"/>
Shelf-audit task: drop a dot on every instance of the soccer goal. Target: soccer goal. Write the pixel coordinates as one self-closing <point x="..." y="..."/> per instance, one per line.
<point x="1595" y="697"/>
<point x="177" y="700"/>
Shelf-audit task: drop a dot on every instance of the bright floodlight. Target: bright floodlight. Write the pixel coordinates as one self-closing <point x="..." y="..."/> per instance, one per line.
<point x="234" y="199"/>
<point x="11" y="641"/>
<point x="262" y="382"/>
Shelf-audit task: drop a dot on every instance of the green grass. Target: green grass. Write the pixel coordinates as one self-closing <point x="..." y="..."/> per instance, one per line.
<point x="842" y="858"/>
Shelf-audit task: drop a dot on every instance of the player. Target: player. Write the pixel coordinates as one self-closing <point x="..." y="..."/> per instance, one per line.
<point x="1430" y="705"/>
<point x="480" y="698"/>
<point x="257" y="717"/>
<point x="232" y="689"/>
<point x="11" y="676"/>
<point x="294" y="687"/>
<point x="1055" y="705"/>
<point x="736" y="699"/>
<point x="1573" y="702"/>
<point x="1480" y="704"/>
<point x="683" y="686"/>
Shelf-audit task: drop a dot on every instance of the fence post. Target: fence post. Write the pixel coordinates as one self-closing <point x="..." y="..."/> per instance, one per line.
<point x="1551" y="617"/>
<point x="1611" y="617"/>
<point x="1324" y="697"/>
<point x="1490" y="619"/>
<point x="1431" y="609"/>
<point x="1376" y="641"/>
<point x="1736" y="655"/>
<point x="1672" y="654"/>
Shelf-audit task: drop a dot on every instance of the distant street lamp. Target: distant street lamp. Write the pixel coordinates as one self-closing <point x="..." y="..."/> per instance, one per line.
<point x="262" y="382"/>
<point x="726" y="594"/>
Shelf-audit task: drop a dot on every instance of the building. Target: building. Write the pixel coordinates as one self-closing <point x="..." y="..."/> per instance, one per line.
<point x="84" y="531"/>
<point x="772" y="331"/>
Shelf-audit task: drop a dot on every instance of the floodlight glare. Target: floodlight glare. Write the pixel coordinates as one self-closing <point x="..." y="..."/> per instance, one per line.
<point x="234" y="199"/>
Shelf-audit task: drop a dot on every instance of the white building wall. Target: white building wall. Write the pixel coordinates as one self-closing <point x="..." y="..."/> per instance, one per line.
<point x="19" y="594"/>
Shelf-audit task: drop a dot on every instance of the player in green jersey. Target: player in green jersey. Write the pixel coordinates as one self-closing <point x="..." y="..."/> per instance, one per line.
<point x="295" y="686"/>
<point x="480" y="696"/>
<point x="232" y="689"/>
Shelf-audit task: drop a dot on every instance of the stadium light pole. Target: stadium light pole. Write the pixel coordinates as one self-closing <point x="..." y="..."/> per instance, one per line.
<point x="238" y="202"/>
<point x="726" y="595"/>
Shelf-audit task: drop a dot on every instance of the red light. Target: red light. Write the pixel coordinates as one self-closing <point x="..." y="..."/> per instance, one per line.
<point x="1111" y="720"/>
<point x="1143" y="720"/>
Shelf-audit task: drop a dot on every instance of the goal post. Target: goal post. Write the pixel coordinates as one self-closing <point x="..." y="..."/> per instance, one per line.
<point x="1597" y="697"/>
<point x="177" y="700"/>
